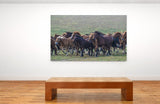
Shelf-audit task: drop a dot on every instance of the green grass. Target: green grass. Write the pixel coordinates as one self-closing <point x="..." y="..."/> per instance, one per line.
<point x="88" y="58"/>
<point x="86" y="25"/>
<point x="114" y="57"/>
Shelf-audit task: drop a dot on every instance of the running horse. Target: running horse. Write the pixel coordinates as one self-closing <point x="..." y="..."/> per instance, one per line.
<point x="81" y="43"/>
<point x="53" y="47"/>
<point x="64" y="44"/>
<point x="123" y="42"/>
<point x="101" y="40"/>
<point x="116" y="40"/>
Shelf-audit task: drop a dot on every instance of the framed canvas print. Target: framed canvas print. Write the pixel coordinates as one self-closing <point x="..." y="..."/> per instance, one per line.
<point x="88" y="37"/>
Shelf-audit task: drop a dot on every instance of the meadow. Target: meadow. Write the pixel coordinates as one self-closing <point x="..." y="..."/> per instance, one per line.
<point x="85" y="25"/>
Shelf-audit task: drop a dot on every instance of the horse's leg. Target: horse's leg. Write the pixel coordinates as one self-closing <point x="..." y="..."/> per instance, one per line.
<point x="81" y="52"/>
<point x="51" y="51"/>
<point x="86" y="51"/>
<point x="97" y="51"/>
<point x="55" y="51"/>
<point x="100" y="49"/>
<point x="124" y="50"/>
<point x="77" y="51"/>
<point x="67" y="50"/>
<point x="117" y="50"/>
<point x="103" y="50"/>
<point x="91" y="51"/>
<point x="63" y="50"/>
<point x="72" y="51"/>
<point x="109" y="51"/>
<point x="114" y="49"/>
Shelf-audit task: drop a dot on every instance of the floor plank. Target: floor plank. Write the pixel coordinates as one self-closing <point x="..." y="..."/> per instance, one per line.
<point x="32" y="92"/>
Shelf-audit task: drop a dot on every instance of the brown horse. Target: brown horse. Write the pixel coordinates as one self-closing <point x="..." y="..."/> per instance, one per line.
<point x="53" y="46"/>
<point x="101" y="40"/>
<point x="76" y="33"/>
<point x="82" y="44"/>
<point x="64" y="44"/>
<point x="123" y="42"/>
<point x="67" y="34"/>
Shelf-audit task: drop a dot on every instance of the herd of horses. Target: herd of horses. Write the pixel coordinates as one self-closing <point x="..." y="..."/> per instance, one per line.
<point x="92" y="43"/>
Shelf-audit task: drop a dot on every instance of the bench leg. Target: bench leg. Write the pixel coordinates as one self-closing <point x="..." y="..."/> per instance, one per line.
<point x="127" y="93"/>
<point x="54" y="93"/>
<point x="50" y="94"/>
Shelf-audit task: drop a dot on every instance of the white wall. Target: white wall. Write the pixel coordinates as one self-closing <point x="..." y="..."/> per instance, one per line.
<point x="25" y="42"/>
<point x="79" y="1"/>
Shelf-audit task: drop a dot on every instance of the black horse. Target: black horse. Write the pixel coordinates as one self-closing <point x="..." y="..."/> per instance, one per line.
<point x="82" y="44"/>
<point x="116" y="40"/>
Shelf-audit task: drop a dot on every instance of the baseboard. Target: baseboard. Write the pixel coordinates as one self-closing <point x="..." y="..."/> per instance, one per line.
<point x="45" y="78"/>
<point x="144" y="78"/>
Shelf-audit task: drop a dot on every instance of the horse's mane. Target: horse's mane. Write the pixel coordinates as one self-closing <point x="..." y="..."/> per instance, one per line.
<point x="125" y="33"/>
<point x="99" y="33"/>
<point x="69" y="32"/>
<point x="76" y="32"/>
<point x="117" y="34"/>
<point x="79" y="36"/>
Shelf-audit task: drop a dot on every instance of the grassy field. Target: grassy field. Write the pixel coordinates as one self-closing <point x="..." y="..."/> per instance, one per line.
<point x="114" y="57"/>
<point x="85" y="25"/>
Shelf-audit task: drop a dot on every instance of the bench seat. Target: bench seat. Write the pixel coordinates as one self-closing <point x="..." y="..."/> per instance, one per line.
<point x="52" y="84"/>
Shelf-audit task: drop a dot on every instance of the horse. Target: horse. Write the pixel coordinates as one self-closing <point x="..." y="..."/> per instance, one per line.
<point x="101" y="40"/>
<point x="55" y="36"/>
<point x="81" y="43"/>
<point x="78" y="33"/>
<point x="116" y="40"/>
<point x="123" y="42"/>
<point x="53" y="46"/>
<point x="67" y="34"/>
<point x="85" y="36"/>
<point x="64" y="43"/>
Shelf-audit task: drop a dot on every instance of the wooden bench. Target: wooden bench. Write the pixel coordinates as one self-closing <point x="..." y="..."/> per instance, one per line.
<point x="125" y="84"/>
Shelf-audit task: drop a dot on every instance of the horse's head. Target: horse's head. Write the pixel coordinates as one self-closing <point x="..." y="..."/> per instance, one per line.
<point x="123" y="39"/>
<point x="55" y="36"/>
<point x="117" y="38"/>
<point x="76" y="33"/>
<point x="67" y="34"/>
<point x="117" y="34"/>
<point x="59" y="40"/>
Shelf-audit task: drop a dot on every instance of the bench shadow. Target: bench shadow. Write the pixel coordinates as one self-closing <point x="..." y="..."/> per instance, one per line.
<point x="92" y="98"/>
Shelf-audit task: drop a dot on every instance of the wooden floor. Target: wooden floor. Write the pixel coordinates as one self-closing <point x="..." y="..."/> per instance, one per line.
<point x="27" y="92"/>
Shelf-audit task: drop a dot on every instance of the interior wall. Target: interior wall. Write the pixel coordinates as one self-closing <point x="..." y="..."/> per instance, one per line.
<point x="25" y="42"/>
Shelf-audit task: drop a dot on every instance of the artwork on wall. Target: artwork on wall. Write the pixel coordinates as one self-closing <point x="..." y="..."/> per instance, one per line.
<point x="88" y="37"/>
